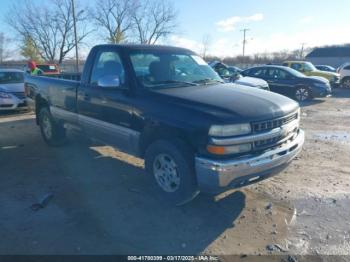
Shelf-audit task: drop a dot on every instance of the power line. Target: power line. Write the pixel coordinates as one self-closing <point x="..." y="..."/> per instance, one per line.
<point x="244" y="38"/>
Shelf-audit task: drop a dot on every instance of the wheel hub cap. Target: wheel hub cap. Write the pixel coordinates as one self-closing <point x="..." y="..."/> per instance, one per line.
<point x="47" y="127"/>
<point x="165" y="173"/>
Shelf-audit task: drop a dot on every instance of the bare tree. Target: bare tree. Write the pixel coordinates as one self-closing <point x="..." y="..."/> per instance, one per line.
<point x="206" y="42"/>
<point x="153" y="20"/>
<point x="6" y="51"/>
<point x="49" y="27"/>
<point x="115" y="16"/>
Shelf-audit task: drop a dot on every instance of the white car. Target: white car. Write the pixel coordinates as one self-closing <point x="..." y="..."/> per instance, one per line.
<point x="12" y="89"/>
<point x="344" y="71"/>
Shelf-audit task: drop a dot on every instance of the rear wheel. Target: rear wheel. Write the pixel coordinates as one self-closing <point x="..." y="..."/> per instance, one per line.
<point x="169" y="165"/>
<point x="53" y="133"/>
<point x="302" y="94"/>
<point x="346" y="82"/>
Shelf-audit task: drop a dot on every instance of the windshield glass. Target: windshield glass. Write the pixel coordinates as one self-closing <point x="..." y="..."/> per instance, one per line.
<point x="309" y="67"/>
<point x="11" y="77"/>
<point x="167" y="69"/>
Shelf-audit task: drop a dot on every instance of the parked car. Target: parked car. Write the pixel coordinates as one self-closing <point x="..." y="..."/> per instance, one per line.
<point x="166" y="105"/>
<point x="12" y="89"/>
<point x="47" y="69"/>
<point x="289" y="82"/>
<point x="326" y="68"/>
<point x="231" y="74"/>
<point x="309" y="69"/>
<point x="344" y="71"/>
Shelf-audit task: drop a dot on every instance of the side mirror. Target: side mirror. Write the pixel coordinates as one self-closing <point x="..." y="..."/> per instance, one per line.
<point x="109" y="81"/>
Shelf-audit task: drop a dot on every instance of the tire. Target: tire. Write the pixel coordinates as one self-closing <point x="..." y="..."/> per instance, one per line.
<point x="346" y="82"/>
<point x="169" y="164"/>
<point x="302" y="94"/>
<point x="52" y="133"/>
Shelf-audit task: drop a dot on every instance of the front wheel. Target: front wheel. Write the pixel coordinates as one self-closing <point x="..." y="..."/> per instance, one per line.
<point x="53" y="133"/>
<point x="169" y="164"/>
<point x="302" y="94"/>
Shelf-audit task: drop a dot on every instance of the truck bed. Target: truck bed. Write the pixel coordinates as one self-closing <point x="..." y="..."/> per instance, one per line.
<point x="60" y="90"/>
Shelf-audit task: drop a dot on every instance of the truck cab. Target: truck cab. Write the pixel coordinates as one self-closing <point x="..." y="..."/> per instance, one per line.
<point x="168" y="106"/>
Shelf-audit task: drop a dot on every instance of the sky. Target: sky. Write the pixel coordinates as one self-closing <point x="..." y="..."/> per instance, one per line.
<point x="273" y="25"/>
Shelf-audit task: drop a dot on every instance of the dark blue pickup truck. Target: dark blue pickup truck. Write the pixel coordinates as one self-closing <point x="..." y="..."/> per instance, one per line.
<point x="166" y="105"/>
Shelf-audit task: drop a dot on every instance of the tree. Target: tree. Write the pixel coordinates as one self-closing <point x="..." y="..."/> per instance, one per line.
<point x="50" y="27"/>
<point x="153" y="20"/>
<point x="115" y="16"/>
<point x="5" y="50"/>
<point x="29" y="50"/>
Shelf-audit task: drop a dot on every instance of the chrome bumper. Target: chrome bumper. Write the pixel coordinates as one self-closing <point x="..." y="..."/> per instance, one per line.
<point x="213" y="175"/>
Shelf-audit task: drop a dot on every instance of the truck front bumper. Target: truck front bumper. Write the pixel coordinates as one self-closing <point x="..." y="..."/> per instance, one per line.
<point x="219" y="175"/>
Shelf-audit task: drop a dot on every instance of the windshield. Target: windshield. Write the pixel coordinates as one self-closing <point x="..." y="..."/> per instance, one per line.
<point x="11" y="77"/>
<point x="309" y="67"/>
<point x="167" y="69"/>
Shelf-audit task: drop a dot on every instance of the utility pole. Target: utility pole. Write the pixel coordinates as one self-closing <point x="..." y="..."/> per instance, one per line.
<point x="2" y="40"/>
<point x="244" y="39"/>
<point x="302" y="50"/>
<point x="75" y="38"/>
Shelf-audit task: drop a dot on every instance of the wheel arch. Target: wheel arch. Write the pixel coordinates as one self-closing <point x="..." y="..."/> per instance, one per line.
<point x="152" y="133"/>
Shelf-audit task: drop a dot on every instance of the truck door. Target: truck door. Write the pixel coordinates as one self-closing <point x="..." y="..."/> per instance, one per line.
<point x="105" y="110"/>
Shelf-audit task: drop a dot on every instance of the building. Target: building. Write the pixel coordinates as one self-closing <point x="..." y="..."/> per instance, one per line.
<point x="333" y="56"/>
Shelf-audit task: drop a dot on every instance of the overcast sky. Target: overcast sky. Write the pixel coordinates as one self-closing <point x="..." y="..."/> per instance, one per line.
<point x="274" y="25"/>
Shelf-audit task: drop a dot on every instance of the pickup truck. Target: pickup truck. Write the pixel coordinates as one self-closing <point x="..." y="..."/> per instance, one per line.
<point x="167" y="106"/>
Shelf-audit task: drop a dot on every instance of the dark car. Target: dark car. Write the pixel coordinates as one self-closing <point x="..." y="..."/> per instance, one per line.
<point x="289" y="82"/>
<point x="326" y="68"/>
<point x="167" y="106"/>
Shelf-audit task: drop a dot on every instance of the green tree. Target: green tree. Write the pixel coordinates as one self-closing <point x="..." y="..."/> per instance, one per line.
<point x="29" y="50"/>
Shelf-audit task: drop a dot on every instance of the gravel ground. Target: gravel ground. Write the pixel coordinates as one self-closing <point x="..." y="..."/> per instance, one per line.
<point x="99" y="200"/>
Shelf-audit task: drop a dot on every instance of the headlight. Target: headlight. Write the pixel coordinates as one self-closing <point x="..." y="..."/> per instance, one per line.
<point x="230" y="130"/>
<point x="226" y="150"/>
<point x="5" y="95"/>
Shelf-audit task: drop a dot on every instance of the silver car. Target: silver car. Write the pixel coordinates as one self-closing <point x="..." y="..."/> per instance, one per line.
<point x="12" y="89"/>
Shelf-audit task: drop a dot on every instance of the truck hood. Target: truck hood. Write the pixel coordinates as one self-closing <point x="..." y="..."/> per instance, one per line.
<point x="230" y="103"/>
<point x="251" y="81"/>
<point x="11" y="88"/>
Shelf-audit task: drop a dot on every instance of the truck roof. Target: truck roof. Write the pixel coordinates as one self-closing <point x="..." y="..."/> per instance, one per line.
<point x="132" y="47"/>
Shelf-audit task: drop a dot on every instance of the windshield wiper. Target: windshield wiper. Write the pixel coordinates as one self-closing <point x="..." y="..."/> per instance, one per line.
<point x="174" y="82"/>
<point x="207" y="81"/>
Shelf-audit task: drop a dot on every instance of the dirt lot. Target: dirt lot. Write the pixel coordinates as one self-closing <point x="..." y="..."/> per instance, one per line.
<point x="102" y="202"/>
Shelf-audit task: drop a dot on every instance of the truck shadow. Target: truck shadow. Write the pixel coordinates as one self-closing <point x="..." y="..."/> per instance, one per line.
<point x="103" y="202"/>
<point x="123" y="198"/>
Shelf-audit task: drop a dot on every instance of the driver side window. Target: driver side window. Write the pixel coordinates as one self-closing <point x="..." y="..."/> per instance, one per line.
<point x="107" y="63"/>
<point x="296" y="66"/>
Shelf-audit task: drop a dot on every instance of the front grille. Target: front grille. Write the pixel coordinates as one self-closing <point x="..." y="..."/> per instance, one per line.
<point x="20" y="95"/>
<point x="267" y="142"/>
<point x="262" y="126"/>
